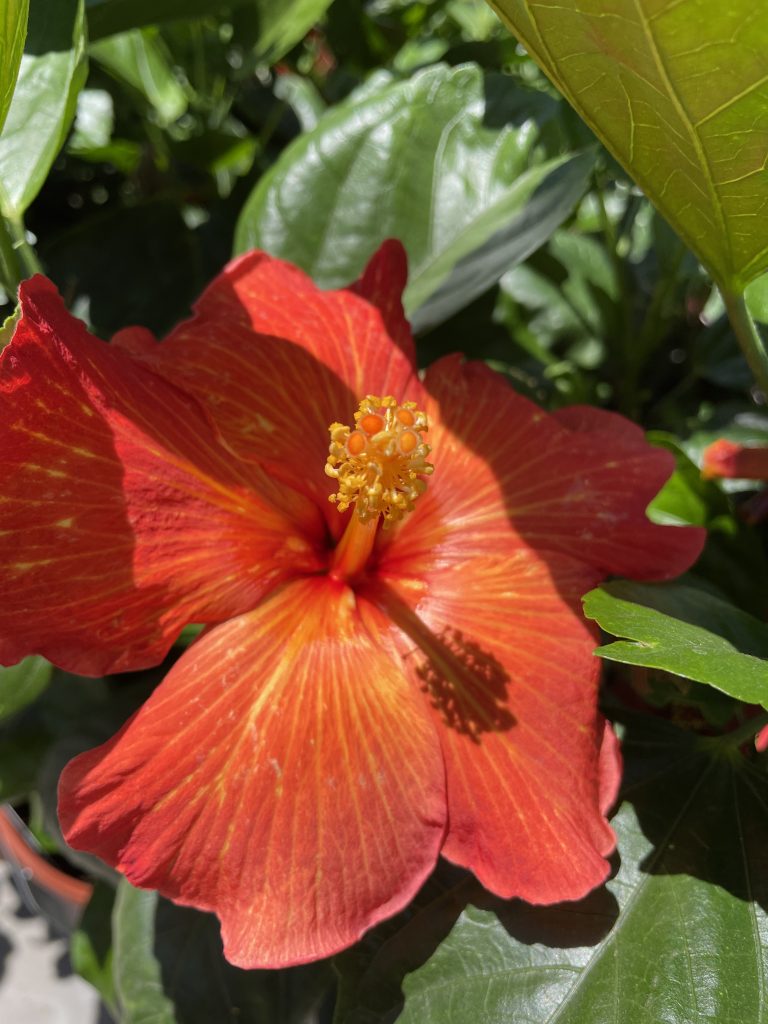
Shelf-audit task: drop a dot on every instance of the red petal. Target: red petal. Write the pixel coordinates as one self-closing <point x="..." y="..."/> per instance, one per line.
<point x="506" y="660"/>
<point x="725" y="458"/>
<point x="275" y="360"/>
<point x="121" y="517"/>
<point x="285" y="775"/>
<point x="506" y="469"/>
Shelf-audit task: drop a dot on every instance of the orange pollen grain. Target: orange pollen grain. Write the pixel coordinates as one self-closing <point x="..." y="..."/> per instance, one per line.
<point x="379" y="465"/>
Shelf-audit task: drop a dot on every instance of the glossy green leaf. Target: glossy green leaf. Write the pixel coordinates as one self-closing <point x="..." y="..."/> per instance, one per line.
<point x="21" y="684"/>
<point x="450" y="162"/>
<point x="13" y="31"/>
<point x="282" y="23"/>
<point x="679" y="935"/>
<point x="51" y="73"/>
<point x="685" y="630"/>
<point x="169" y="969"/>
<point x="139" y="59"/>
<point x="677" y="92"/>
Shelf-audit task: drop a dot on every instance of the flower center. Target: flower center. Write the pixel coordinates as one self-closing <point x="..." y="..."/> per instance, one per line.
<point x="379" y="464"/>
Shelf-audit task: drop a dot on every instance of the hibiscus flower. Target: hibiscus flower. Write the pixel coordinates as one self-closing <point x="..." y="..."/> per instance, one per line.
<point x="400" y="672"/>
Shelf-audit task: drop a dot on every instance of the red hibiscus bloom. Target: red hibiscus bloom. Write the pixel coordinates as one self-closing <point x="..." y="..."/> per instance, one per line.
<point x="725" y="458"/>
<point x="364" y="699"/>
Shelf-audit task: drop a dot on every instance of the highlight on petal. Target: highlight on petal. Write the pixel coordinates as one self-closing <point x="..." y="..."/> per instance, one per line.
<point x="285" y="775"/>
<point x="121" y="516"/>
<point x="505" y="660"/>
<point x="578" y="482"/>
<point x="727" y="459"/>
<point x="275" y="360"/>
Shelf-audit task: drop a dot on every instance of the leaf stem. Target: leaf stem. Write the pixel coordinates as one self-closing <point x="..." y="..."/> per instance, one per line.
<point x="18" y="260"/>
<point x="745" y="329"/>
<point x="746" y="731"/>
<point x="10" y="264"/>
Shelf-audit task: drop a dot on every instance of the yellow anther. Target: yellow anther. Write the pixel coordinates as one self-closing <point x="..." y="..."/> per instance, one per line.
<point x="381" y="462"/>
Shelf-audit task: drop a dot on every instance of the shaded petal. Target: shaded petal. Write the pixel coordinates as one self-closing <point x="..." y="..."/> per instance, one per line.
<point x="577" y="483"/>
<point x="727" y="459"/>
<point x="505" y="659"/>
<point x="121" y="516"/>
<point x="285" y="775"/>
<point x="275" y="360"/>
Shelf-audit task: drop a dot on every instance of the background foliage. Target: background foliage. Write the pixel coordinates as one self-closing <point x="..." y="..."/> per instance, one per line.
<point x="144" y="143"/>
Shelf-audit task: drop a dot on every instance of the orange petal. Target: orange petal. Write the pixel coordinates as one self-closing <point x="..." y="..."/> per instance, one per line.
<point x="577" y="483"/>
<point x="121" y="516"/>
<point x="505" y="659"/>
<point x="285" y="775"/>
<point x="275" y="360"/>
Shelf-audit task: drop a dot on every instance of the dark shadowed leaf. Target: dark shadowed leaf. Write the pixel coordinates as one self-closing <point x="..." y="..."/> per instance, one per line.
<point x="679" y="935"/>
<point x="21" y="684"/>
<point x="282" y="23"/>
<point x="169" y="969"/>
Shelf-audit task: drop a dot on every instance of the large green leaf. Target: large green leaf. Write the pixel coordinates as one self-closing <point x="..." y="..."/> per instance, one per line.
<point x="677" y="92"/>
<point x="450" y="162"/>
<point x="52" y="71"/>
<point x="679" y="935"/>
<point x="13" y="30"/>
<point x="282" y="23"/>
<point x="169" y="969"/>
<point x="685" y="630"/>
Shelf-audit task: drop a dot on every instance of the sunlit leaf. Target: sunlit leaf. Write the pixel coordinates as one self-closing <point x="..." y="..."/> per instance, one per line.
<point x="13" y="30"/>
<point x="684" y="630"/>
<point x="51" y="73"/>
<point x="677" y="92"/>
<point x="453" y="164"/>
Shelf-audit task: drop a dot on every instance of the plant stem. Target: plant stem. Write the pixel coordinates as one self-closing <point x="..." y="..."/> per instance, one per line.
<point x="10" y="264"/>
<point x="746" y="731"/>
<point x="748" y="336"/>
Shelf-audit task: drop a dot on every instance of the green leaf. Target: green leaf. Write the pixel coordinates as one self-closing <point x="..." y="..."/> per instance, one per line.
<point x="675" y="91"/>
<point x="21" y="684"/>
<point x="140" y="60"/>
<point x="90" y="945"/>
<point x="282" y="23"/>
<point x="685" y="630"/>
<point x="679" y="935"/>
<point x="393" y="162"/>
<point x="52" y="72"/>
<point x="13" y="30"/>
<point x="169" y="969"/>
<point x="137" y="976"/>
<point x="9" y="327"/>
<point x="21" y="753"/>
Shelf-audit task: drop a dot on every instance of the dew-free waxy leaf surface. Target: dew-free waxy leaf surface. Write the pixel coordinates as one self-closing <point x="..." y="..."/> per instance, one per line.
<point x="684" y="630"/>
<point x="450" y="162"/>
<point x="678" y="92"/>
